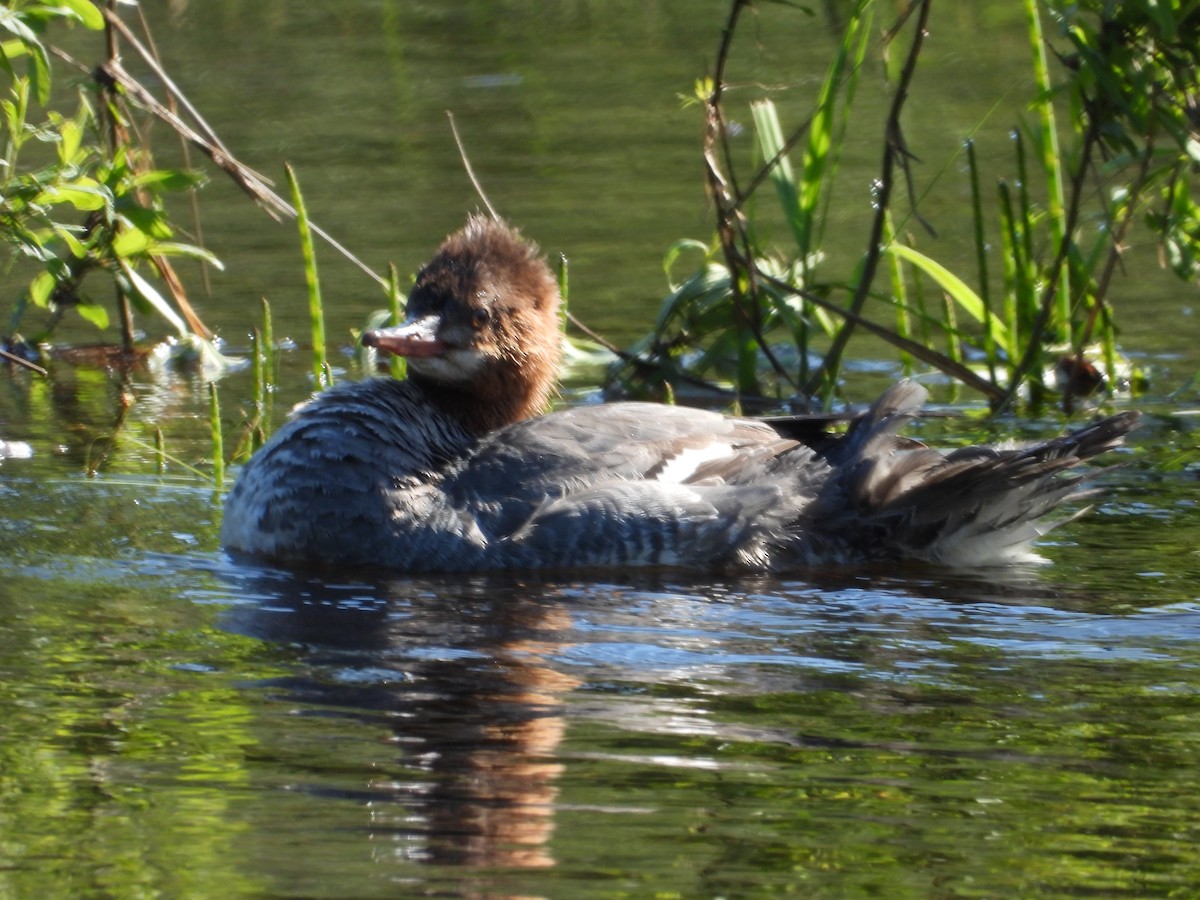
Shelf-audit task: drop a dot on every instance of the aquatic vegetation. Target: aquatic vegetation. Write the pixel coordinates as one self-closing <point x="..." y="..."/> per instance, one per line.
<point x="1107" y="145"/>
<point x="1036" y="313"/>
<point x="82" y="199"/>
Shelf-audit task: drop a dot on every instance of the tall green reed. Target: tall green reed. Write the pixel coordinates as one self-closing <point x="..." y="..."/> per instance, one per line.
<point x="321" y="371"/>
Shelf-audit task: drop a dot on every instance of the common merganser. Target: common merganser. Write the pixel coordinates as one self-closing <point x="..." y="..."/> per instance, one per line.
<point x="454" y="469"/>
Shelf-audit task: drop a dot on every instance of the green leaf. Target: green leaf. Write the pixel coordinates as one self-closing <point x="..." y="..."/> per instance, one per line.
<point x="84" y="194"/>
<point x="1192" y="146"/>
<point x="170" y="248"/>
<point x="169" y="179"/>
<point x="71" y="134"/>
<point x="966" y="298"/>
<point x="94" y="313"/>
<point x="16" y="110"/>
<point x="152" y="222"/>
<point x="130" y="242"/>
<point x="676" y="250"/>
<point x="78" y="250"/>
<point x="86" y="12"/>
<point x="39" y="76"/>
<point x="41" y="288"/>
<point x="11" y="50"/>
<point x="13" y="23"/>
<point x="771" y="143"/>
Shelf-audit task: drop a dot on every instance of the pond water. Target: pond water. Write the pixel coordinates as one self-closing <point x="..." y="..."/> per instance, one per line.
<point x="175" y="724"/>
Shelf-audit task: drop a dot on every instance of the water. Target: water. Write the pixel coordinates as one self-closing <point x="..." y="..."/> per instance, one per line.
<point x="180" y="725"/>
<point x="175" y="724"/>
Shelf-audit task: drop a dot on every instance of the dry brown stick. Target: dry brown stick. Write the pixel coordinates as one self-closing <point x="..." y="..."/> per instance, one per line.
<point x="151" y="60"/>
<point x="462" y="153"/>
<point x="21" y="361"/>
<point x="246" y="178"/>
<point x="731" y="225"/>
<point x="193" y="201"/>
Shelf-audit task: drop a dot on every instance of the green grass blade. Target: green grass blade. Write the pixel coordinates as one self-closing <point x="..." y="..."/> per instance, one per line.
<point x="899" y="294"/>
<point x="160" y="452"/>
<point x="322" y="373"/>
<point x="769" y="133"/>
<point x="981" y="260"/>
<point x="826" y="134"/>
<point x="801" y="198"/>
<point x="955" y="287"/>
<point x="1051" y="162"/>
<point x="397" y="365"/>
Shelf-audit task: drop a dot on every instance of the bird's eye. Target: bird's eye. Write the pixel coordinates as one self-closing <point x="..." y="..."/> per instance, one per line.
<point x="480" y="317"/>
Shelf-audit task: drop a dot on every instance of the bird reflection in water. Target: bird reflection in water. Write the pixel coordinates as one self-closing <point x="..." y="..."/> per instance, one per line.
<point x="463" y="673"/>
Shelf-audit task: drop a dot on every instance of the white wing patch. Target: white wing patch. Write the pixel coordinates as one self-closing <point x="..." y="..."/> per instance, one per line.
<point x="687" y="462"/>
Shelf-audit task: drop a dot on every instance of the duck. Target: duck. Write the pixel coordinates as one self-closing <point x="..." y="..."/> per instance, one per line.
<point x="458" y="468"/>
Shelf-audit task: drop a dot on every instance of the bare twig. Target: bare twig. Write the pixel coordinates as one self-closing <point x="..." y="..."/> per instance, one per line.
<point x="1117" y="243"/>
<point x="185" y="150"/>
<point x="116" y="23"/>
<point x="203" y="136"/>
<point x="926" y="354"/>
<point x="21" y="361"/>
<point x="245" y="177"/>
<point x="643" y="365"/>
<point x="462" y="152"/>
<point x="117" y="137"/>
<point x="722" y="186"/>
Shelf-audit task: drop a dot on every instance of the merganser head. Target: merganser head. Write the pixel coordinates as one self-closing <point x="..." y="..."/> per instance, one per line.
<point x="482" y="331"/>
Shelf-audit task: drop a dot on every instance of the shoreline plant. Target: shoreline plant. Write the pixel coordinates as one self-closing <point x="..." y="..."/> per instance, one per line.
<point x="1109" y="142"/>
<point x="1112" y="139"/>
<point x="80" y="197"/>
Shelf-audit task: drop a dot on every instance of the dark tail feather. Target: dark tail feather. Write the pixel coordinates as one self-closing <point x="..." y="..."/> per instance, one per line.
<point x="973" y="506"/>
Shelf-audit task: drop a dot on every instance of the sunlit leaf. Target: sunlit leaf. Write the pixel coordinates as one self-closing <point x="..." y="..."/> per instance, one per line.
<point x="94" y="313"/>
<point x="169" y="179"/>
<point x="11" y="50"/>
<point x="78" y="250"/>
<point x="71" y="137"/>
<point x="84" y="194"/>
<point x="130" y="242"/>
<point x="1192" y="147"/>
<point x="966" y="298"/>
<point x="87" y="12"/>
<point x="39" y="74"/>
<point x="169" y="248"/>
<point x="152" y="222"/>
<point x="41" y="288"/>
<point x="13" y="23"/>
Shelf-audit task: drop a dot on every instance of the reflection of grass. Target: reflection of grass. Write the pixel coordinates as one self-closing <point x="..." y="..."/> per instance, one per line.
<point x="218" y="440"/>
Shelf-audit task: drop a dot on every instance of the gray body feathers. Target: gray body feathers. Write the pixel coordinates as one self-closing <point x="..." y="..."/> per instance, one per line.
<point x="370" y="474"/>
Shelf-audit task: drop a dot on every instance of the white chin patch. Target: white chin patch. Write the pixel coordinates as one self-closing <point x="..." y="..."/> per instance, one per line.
<point x="454" y="366"/>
